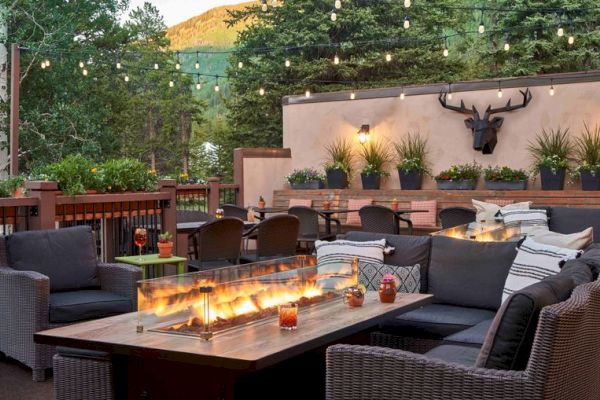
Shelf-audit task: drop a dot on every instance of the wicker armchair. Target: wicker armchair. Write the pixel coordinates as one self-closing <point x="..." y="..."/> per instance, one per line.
<point x="309" y="230"/>
<point x="216" y="244"/>
<point x="380" y="219"/>
<point x="25" y="308"/>
<point x="564" y="364"/>
<point x="275" y="237"/>
<point x="231" y="210"/>
<point x="455" y="216"/>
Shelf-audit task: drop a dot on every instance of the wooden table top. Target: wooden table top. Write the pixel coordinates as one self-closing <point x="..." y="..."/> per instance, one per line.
<point x="250" y="347"/>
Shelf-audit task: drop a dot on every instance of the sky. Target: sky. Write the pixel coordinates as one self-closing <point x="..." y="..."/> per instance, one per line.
<point x="176" y="11"/>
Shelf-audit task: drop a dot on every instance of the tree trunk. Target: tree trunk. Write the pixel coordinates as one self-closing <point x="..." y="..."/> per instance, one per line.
<point x="151" y="134"/>
<point x="186" y="127"/>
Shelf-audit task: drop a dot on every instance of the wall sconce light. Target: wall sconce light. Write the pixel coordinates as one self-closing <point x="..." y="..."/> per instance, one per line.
<point x="363" y="134"/>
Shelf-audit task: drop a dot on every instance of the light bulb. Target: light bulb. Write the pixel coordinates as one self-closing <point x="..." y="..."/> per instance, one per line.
<point x="126" y="78"/>
<point x="481" y="27"/>
<point x="337" y="4"/>
<point x="177" y="66"/>
<point x="287" y="63"/>
<point x="406" y="23"/>
<point x="43" y="64"/>
<point x="84" y="72"/>
<point x="155" y="66"/>
<point x="307" y="94"/>
<point x="506" y="47"/>
<point x="551" y="92"/>
<point x="264" y="7"/>
<point x="217" y="88"/>
<point x="273" y="3"/>
<point x="47" y="62"/>
<point x="407" y="3"/>
<point x="560" y="32"/>
<point x="446" y="53"/>
<point x="571" y="39"/>
<point x="333" y="16"/>
<point x="198" y="86"/>
<point x="336" y="60"/>
<point x="402" y="95"/>
<point x="81" y="64"/>
<point x="352" y="95"/>
<point x="171" y="83"/>
<point x="118" y="65"/>
<point x="500" y="93"/>
<point x="240" y="65"/>
<point x="197" y="65"/>
<point x="450" y="96"/>
<point x="388" y="57"/>
<point x="261" y="91"/>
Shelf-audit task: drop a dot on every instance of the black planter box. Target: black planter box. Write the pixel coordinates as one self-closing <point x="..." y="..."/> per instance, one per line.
<point x="551" y="181"/>
<point x="370" y="181"/>
<point x="337" y="179"/>
<point x="465" y="184"/>
<point x="501" y="185"/>
<point x="308" y="185"/>
<point x="410" y="180"/>
<point x="589" y="181"/>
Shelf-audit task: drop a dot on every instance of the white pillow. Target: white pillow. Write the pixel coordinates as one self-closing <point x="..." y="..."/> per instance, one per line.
<point x="488" y="211"/>
<point x="574" y="241"/>
<point x="527" y="220"/>
<point x="533" y="263"/>
<point x="345" y="251"/>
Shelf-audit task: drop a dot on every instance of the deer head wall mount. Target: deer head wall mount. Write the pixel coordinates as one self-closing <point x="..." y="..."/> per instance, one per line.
<point x="485" y="131"/>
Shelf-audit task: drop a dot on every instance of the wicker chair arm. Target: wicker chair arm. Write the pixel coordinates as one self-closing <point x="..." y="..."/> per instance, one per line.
<point x="251" y="230"/>
<point x="366" y="372"/>
<point x="120" y="279"/>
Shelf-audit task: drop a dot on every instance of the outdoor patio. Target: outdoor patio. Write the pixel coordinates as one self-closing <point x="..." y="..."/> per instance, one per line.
<point x="300" y="199"/>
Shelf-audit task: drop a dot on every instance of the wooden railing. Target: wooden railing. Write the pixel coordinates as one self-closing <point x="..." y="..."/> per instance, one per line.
<point x="207" y="198"/>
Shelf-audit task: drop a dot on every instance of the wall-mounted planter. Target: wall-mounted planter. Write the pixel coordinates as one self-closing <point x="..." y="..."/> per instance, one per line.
<point x="410" y="180"/>
<point x="307" y="185"/>
<point x="590" y="181"/>
<point x="551" y="180"/>
<point x="502" y="185"/>
<point x="370" y="181"/>
<point x="337" y="179"/>
<point x="463" y="184"/>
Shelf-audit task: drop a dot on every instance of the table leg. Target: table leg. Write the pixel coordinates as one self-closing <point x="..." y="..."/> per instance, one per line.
<point x="144" y="273"/>
<point x="328" y="225"/>
<point x="408" y="222"/>
<point x="181" y="268"/>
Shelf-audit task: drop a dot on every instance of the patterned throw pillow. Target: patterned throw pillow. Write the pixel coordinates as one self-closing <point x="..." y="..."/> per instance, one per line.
<point x="428" y="218"/>
<point x="408" y="278"/>
<point x="534" y="262"/>
<point x="528" y="220"/>
<point x="356" y="204"/>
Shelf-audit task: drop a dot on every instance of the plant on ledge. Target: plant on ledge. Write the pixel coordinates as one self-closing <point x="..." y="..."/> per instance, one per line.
<point x="339" y="166"/>
<point x="412" y="164"/>
<point x="505" y="178"/>
<point x="459" y="177"/>
<point x="9" y="186"/>
<point x="307" y="178"/>
<point x="376" y="157"/>
<point x="587" y="154"/>
<point x="126" y="175"/>
<point x="74" y="174"/>
<point x="551" y="151"/>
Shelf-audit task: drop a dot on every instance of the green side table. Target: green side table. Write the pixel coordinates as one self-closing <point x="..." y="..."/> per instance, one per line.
<point x="153" y="260"/>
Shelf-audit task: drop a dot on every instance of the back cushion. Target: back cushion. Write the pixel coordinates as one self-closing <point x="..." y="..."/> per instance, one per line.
<point x="67" y="256"/>
<point x="300" y="202"/>
<point x="508" y="342"/>
<point x="428" y="218"/>
<point x="499" y="202"/>
<point x="467" y="273"/>
<point x="571" y="220"/>
<point x="356" y="204"/>
<point x="408" y="250"/>
<point x="526" y="220"/>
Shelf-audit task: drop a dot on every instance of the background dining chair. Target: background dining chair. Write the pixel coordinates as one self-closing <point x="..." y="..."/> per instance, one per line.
<point x="379" y="219"/>
<point x="216" y="244"/>
<point x="276" y="237"/>
<point x="309" y="230"/>
<point x="455" y="216"/>
<point x="193" y="216"/>
<point x="231" y="210"/>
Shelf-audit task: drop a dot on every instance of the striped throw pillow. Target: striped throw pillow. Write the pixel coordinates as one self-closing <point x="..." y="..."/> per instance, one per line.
<point x="534" y="262"/>
<point x="345" y="251"/>
<point x="528" y="220"/>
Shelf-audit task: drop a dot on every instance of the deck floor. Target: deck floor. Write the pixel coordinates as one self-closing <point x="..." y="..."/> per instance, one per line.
<point x="16" y="383"/>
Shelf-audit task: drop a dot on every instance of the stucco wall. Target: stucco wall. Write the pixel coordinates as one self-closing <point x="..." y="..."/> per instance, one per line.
<point x="262" y="176"/>
<point x="308" y="128"/>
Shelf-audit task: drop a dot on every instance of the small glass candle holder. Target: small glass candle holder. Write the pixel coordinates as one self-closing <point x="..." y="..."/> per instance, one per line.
<point x="288" y="316"/>
<point x="219" y="213"/>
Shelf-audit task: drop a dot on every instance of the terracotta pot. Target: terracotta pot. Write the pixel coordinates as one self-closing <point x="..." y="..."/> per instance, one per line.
<point x="387" y="292"/>
<point x="326" y="205"/>
<point x="262" y="204"/>
<point x="165" y="250"/>
<point x="19" y="192"/>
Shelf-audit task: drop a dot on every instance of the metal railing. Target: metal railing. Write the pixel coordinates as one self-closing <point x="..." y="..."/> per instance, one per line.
<point x="207" y="198"/>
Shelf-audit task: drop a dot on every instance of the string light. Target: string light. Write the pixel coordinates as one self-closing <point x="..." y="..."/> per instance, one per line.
<point x="177" y="64"/>
<point x="336" y="59"/>
<point x="506" y="46"/>
<point x="352" y="95"/>
<point x="446" y="52"/>
<point x="288" y="63"/>
<point x="47" y="63"/>
<point x="197" y="65"/>
<point x="264" y="6"/>
<point x="126" y="78"/>
<point x="388" y="57"/>
<point x="449" y="91"/>
<point x="551" y="91"/>
<point x="561" y="31"/>
<point x="155" y="65"/>
<point x="273" y="3"/>
<point x="43" y="65"/>
<point x="333" y="16"/>
<point x="307" y="93"/>
<point x="240" y="65"/>
<point x="171" y="83"/>
<point x="481" y="28"/>
<point x="217" y="88"/>
<point x="261" y="91"/>
<point x="407" y="3"/>
<point x="337" y="4"/>
<point x="402" y="95"/>
<point x="406" y="22"/>
<point x="571" y="39"/>
<point x="198" y="84"/>
<point x="81" y="64"/>
<point x="84" y="72"/>
<point x="500" y="89"/>
<point x="118" y="65"/>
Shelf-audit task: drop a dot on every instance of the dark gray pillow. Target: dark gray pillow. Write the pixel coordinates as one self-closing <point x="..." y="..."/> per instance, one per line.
<point x="571" y="220"/>
<point x="508" y="343"/>
<point x="468" y="273"/>
<point x="409" y="250"/>
<point x="66" y="256"/>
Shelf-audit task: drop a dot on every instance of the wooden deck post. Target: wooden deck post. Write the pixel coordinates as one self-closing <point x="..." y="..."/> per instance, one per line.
<point x="169" y="213"/>
<point x="45" y="217"/>
<point x="214" y="194"/>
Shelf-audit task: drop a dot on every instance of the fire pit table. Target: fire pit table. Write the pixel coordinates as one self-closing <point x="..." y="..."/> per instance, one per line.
<point x="215" y="334"/>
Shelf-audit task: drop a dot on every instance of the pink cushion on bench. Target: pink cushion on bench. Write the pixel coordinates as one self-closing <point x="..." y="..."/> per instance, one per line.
<point x="428" y="218"/>
<point x="300" y="202"/>
<point x="356" y="204"/>
<point x="500" y="202"/>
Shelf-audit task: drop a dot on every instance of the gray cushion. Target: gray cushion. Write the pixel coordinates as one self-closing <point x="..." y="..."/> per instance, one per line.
<point x="571" y="220"/>
<point x="474" y="336"/>
<point x="436" y="320"/>
<point x="409" y="250"/>
<point x="464" y="355"/>
<point x="79" y="305"/>
<point x="66" y="256"/>
<point x="508" y="342"/>
<point x="468" y="273"/>
<point x="577" y="270"/>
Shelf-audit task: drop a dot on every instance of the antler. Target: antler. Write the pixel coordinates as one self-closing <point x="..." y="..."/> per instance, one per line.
<point x="527" y="97"/>
<point x="461" y="109"/>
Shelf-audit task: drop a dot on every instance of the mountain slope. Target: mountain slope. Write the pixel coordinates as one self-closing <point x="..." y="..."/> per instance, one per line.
<point x="206" y="30"/>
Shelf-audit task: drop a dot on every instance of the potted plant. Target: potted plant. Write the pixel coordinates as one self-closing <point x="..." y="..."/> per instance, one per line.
<point x="338" y="168"/>
<point x="376" y="157"/>
<point x="12" y="186"/>
<point x="261" y="202"/>
<point x="307" y="178"/>
<point x="459" y="177"/>
<point x="587" y="153"/>
<point x="412" y="151"/>
<point x="165" y="245"/>
<point x="505" y="178"/>
<point x="551" y="151"/>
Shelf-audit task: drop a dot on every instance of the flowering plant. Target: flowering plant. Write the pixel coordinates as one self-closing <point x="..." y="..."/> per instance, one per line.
<point x="387" y="278"/>
<point x="551" y="149"/>
<point x="463" y="172"/>
<point x="165" y="237"/>
<point x="305" y="175"/>
<point x="504" y="174"/>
